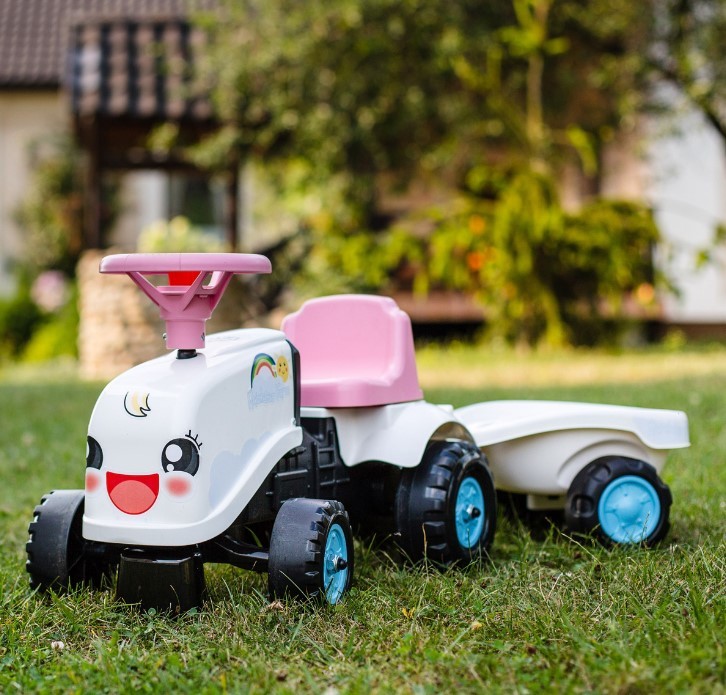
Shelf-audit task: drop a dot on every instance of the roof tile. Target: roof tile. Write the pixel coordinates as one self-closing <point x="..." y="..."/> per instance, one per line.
<point x="33" y="33"/>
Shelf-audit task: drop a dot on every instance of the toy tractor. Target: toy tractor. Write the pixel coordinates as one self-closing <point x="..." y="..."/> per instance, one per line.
<point x="230" y="450"/>
<point x="252" y="446"/>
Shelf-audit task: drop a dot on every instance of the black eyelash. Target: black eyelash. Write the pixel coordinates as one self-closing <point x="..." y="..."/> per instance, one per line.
<point x="194" y="438"/>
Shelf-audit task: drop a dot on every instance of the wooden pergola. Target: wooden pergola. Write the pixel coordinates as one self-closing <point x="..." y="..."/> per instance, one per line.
<point x="126" y="77"/>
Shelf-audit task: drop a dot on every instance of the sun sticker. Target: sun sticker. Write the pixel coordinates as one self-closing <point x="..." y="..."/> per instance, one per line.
<point x="283" y="369"/>
<point x="267" y="380"/>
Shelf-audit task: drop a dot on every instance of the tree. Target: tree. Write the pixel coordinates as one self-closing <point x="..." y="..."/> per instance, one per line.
<point x="686" y="51"/>
<point x="355" y="88"/>
<point x="361" y="87"/>
<point x="51" y="213"/>
<point x="490" y="97"/>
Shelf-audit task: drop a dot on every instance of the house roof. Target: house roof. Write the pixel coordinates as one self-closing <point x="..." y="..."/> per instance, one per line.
<point x="136" y="69"/>
<point x="34" y="33"/>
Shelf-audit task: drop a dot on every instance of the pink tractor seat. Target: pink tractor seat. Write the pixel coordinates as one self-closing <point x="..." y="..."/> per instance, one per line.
<point x="356" y="350"/>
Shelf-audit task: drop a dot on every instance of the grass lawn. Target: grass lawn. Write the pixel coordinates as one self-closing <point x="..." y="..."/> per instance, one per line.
<point x="544" y="615"/>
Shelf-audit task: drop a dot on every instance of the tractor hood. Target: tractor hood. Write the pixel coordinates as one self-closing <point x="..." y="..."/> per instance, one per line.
<point x="178" y="447"/>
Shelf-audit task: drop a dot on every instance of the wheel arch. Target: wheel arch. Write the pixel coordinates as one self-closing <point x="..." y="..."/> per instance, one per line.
<point x="396" y="434"/>
<point x="617" y="445"/>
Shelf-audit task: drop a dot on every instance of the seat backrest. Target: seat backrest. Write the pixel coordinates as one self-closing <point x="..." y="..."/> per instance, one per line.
<point x="361" y="337"/>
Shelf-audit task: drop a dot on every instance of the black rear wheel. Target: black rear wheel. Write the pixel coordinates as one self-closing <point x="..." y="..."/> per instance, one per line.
<point x="446" y="507"/>
<point x="311" y="550"/>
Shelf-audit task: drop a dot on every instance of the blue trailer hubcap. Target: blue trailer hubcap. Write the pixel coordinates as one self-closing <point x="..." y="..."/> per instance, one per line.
<point x="469" y="513"/>
<point x="335" y="564"/>
<point x="629" y="509"/>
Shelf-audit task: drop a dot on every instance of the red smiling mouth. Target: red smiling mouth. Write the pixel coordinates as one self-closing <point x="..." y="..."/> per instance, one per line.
<point x="132" y="494"/>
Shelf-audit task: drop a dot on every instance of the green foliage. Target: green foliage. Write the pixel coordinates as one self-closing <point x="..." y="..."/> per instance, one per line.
<point x="57" y="336"/>
<point x="686" y="51"/>
<point x="177" y="235"/>
<point x="354" y="88"/>
<point x="40" y="322"/>
<point x="542" y="275"/>
<point x="513" y="278"/>
<point x="368" y="86"/>
<point x="366" y="94"/>
<point x="19" y="318"/>
<point x="492" y="99"/>
<point x="605" y="257"/>
<point x="52" y="212"/>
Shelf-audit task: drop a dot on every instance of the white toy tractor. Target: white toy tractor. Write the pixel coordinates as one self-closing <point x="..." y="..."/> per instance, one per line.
<point x="222" y="452"/>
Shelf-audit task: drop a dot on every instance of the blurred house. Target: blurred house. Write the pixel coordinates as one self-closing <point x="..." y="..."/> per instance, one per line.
<point x="109" y="72"/>
<point x="687" y="190"/>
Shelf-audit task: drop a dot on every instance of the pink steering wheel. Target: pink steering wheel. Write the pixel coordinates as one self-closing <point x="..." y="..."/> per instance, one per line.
<point x="186" y="302"/>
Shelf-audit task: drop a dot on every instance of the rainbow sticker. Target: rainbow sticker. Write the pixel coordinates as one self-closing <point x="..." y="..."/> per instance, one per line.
<point x="261" y="363"/>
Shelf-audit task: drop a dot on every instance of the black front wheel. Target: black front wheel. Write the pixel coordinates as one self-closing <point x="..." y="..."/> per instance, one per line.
<point x="311" y="550"/>
<point x="619" y="500"/>
<point x="446" y="507"/>
<point x="55" y="548"/>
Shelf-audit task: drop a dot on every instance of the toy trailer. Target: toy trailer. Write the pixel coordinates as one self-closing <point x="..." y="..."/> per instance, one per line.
<point x="600" y="464"/>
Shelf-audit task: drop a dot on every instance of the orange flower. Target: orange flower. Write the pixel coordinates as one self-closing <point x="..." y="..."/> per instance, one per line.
<point x="645" y="293"/>
<point x="475" y="260"/>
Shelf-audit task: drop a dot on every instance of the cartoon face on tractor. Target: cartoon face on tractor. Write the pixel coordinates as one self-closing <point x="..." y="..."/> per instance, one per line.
<point x="175" y="447"/>
<point x="136" y="493"/>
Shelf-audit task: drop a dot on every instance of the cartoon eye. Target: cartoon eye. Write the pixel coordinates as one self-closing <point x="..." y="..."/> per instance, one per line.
<point x="94" y="454"/>
<point x="180" y="455"/>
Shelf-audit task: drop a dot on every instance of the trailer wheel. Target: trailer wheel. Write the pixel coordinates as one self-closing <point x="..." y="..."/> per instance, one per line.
<point x="311" y="550"/>
<point x="619" y="500"/>
<point x="446" y="507"/>
<point x="55" y="548"/>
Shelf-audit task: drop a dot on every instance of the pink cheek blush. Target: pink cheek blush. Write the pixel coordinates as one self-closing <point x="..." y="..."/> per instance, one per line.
<point x="178" y="486"/>
<point x="93" y="480"/>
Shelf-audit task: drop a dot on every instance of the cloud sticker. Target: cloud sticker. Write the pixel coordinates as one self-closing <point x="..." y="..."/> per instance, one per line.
<point x="227" y="466"/>
<point x="266" y="389"/>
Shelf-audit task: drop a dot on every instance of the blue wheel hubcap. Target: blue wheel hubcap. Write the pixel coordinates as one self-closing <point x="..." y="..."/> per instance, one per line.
<point x="469" y="513"/>
<point x="629" y="509"/>
<point x="335" y="564"/>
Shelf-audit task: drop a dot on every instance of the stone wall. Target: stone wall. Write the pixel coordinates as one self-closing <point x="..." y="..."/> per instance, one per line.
<point x="120" y="327"/>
